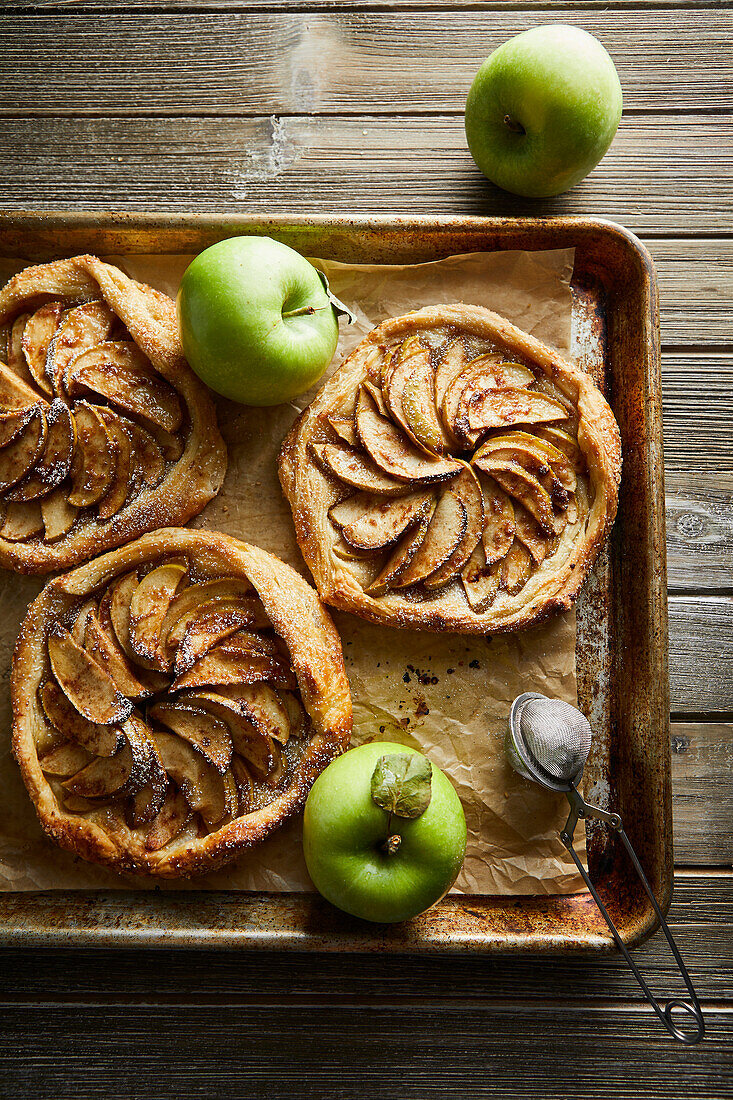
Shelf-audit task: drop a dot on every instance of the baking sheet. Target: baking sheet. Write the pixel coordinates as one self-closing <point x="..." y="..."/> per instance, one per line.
<point x="445" y="694"/>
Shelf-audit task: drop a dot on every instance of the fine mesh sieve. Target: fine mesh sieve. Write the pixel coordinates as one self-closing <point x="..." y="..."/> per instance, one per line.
<point x="548" y="741"/>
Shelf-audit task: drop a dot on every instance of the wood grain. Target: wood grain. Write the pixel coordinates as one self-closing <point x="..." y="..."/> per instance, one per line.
<point x="695" y="290"/>
<point x="656" y="179"/>
<point x="701" y="654"/>
<point x="342" y="63"/>
<point x="702" y="786"/>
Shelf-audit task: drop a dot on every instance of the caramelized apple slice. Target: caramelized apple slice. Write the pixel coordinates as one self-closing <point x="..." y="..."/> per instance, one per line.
<point x="523" y="486"/>
<point x="454" y="391"/>
<point x="19" y="457"/>
<point x="119" y="372"/>
<point x="444" y="534"/>
<point x="467" y="488"/>
<point x="65" y="760"/>
<point x="13" y="422"/>
<point x="480" y="580"/>
<point x="108" y="775"/>
<point x="203" y="787"/>
<point x="245" y="787"/>
<point x="486" y="376"/>
<point x="116" y="495"/>
<point x="532" y="452"/>
<point x="203" y="731"/>
<point x="16" y="359"/>
<point x="14" y="392"/>
<point x="215" y="625"/>
<point x="498" y="531"/>
<point x="420" y="416"/>
<point x="105" y="651"/>
<point x="344" y="428"/>
<point x="21" y="521"/>
<point x="516" y="568"/>
<point x="119" y="609"/>
<point x="531" y="535"/>
<point x="258" y="749"/>
<point x="400" y="559"/>
<point x="261" y="706"/>
<point x="296" y="714"/>
<point x="57" y="515"/>
<point x="79" y="626"/>
<point x="355" y="470"/>
<point x="95" y="457"/>
<point x="515" y="405"/>
<point x="80" y="328"/>
<point x="174" y="815"/>
<point x="392" y="452"/>
<point x="146" y="804"/>
<point x="85" y="683"/>
<point x="199" y="600"/>
<point x="96" y="739"/>
<point x="453" y="361"/>
<point x="55" y="463"/>
<point x="39" y="331"/>
<point x="381" y="524"/>
<point x="149" y="606"/>
<point x="147" y="464"/>
<point x="563" y="441"/>
<point x="228" y="664"/>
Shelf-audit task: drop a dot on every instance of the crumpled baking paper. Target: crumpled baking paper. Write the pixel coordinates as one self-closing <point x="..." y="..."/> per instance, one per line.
<point x="447" y="695"/>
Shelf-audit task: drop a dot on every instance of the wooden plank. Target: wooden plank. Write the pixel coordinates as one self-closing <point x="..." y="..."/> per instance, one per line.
<point x="293" y="62"/>
<point x="701" y="654"/>
<point x="702" y="788"/>
<point x="657" y="177"/>
<point x="310" y="6"/>
<point x="695" y="290"/>
<point x="425" y="1050"/>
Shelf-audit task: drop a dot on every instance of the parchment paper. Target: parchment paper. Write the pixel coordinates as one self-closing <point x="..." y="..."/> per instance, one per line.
<point x="446" y="695"/>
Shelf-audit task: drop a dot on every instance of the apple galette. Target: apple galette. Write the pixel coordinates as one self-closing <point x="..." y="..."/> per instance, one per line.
<point x="105" y="432"/>
<point x="174" y="700"/>
<point x="453" y="474"/>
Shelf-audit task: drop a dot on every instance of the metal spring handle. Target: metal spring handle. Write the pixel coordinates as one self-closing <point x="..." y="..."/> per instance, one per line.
<point x="579" y="808"/>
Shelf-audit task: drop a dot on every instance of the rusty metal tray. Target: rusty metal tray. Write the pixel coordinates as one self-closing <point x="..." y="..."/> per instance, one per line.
<point x="622" y="617"/>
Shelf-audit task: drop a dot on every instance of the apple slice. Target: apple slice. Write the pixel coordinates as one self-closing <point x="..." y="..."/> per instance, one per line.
<point x="392" y="452"/>
<point x="96" y="739"/>
<point x="221" y="621"/>
<point x="532" y="452"/>
<point x="228" y="664"/>
<point x="204" y="788"/>
<point x="107" y="775"/>
<point x="19" y="457"/>
<point x="79" y="626"/>
<point x="230" y="595"/>
<point x="203" y="731"/>
<point x="245" y="786"/>
<point x="174" y="815"/>
<point x="39" y="331"/>
<point x="119" y="372"/>
<point x="400" y="559"/>
<point x="516" y="568"/>
<point x="16" y="359"/>
<point x="95" y="457"/>
<point x="14" y="392"/>
<point x="149" y="605"/>
<point x="514" y="405"/>
<point x="75" y="804"/>
<point x="420" y="415"/>
<point x="119" y="609"/>
<point x="467" y="488"/>
<point x="80" y="328"/>
<point x="383" y="523"/>
<point x="65" y="760"/>
<point x="55" y="463"/>
<point x="147" y="464"/>
<point x="116" y="495"/>
<point x="107" y="653"/>
<point x="498" y="531"/>
<point x="486" y="375"/>
<point x="480" y="580"/>
<point x="299" y="721"/>
<point x="57" y="515"/>
<point x="563" y="441"/>
<point x="443" y="536"/>
<point x="521" y="485"/>
<point x="85" y="683"/>
<point x="355" y="470"/>
<point x="13" y="422"/>
<point x="531" y="535"/>
<point x="452" y="362"/>
<point x="257" y="748"/>
<point x="22" y="521"/>
<point x="261" y="706"/>
<point x="146" y="804"/>
<point x="344" y="428"/>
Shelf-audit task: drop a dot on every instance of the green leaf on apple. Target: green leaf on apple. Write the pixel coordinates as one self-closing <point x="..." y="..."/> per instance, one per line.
<point x="340" y="309"/>
<point x="401" y="784"/>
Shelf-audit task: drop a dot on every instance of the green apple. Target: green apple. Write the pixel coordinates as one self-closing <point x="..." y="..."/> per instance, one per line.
<point x="542" y="110"/>
<point x="256" y="321"/>
<point x="384" y="834"/>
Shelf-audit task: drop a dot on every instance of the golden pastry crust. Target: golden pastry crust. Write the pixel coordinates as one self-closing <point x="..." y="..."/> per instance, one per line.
<point x="194" y="454"/>
<point x="343" y="576"/>
<point x="299" y="621"/>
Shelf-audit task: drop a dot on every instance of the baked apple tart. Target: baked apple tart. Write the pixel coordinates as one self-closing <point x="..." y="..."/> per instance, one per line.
<point x="174" y="700"/>
<point x="105" y="431"/>
<point x="454" y="474"/>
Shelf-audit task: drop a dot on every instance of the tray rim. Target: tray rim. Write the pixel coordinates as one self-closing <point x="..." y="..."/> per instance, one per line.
<point x="453" y="924"/>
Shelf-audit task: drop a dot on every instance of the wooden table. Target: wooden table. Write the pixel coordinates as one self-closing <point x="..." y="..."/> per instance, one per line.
<point x="255" y="106"/>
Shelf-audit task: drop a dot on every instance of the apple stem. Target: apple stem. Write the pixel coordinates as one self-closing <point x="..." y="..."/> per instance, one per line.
<point x="392" y="844"/>
<point x="302" y="311"/>
<point x="513" y="125"/>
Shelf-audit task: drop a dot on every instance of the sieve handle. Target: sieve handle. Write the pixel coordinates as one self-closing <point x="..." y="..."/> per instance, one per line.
<point x="581" y="809"/>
